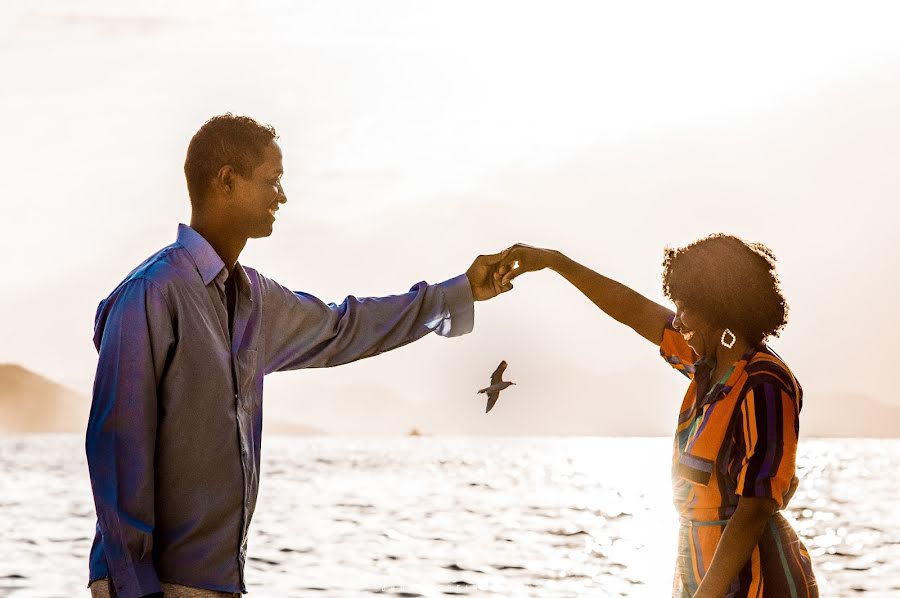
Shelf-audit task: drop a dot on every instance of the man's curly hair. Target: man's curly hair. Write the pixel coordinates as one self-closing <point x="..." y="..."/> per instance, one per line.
<point x="225" y="139"/>
<point x="730" y="282"/>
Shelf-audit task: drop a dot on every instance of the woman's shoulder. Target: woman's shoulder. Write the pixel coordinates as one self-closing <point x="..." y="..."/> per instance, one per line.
<point x="767" y="367"/>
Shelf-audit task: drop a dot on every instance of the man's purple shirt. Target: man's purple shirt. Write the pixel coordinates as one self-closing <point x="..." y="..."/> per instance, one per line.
<point x="173" y="439"/>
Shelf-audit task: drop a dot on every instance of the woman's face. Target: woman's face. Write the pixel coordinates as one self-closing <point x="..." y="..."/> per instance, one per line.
<point x="696" y="330"/>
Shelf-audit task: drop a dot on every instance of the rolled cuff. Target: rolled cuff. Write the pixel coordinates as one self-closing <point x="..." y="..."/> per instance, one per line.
<point x="460" y="307"/>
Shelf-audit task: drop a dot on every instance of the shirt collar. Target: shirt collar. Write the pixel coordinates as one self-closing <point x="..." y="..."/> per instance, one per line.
<point x="209" y="264"/>
<point x="723" y="387"/>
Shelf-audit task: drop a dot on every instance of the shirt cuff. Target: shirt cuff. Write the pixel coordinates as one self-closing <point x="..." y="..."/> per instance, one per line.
<point x="137" y="580"/>
<point x="460" y="306"/>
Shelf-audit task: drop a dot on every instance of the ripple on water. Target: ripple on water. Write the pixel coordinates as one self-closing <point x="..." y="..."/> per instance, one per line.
<point x="296" y="550"/>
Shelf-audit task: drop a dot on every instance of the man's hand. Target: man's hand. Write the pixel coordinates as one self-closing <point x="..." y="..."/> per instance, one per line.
<point x="486" y="274"/>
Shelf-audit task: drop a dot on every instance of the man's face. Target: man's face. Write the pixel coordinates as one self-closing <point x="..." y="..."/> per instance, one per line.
<point x="256" y="199"/>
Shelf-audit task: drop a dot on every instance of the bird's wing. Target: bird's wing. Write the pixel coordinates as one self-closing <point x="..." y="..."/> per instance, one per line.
<point x="497" y="376"/>
<point x="492" y="398"/>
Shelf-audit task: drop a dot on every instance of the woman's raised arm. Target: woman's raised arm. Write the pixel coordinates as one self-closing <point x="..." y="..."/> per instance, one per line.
<point x="629" y="307"/>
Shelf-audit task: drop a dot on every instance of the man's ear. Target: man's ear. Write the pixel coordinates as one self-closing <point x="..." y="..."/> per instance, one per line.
<point x="225" y="179"/>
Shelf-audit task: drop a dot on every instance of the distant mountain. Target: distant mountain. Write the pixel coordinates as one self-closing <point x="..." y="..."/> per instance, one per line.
<point x="574" y="402"/>
<point x="275" y="427"/>
<point x="343" y="409"/>
<point x="32" y="404"/>
<point x="846" y="415"/>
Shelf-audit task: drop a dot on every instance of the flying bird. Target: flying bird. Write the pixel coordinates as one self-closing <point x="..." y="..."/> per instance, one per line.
<point x="497" y="384"/>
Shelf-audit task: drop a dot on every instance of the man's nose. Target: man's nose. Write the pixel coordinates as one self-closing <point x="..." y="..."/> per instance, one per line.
<point x="282" y="197"/>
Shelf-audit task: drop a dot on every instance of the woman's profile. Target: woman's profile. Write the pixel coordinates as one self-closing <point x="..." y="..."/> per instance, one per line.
<point x="736" y="436"/>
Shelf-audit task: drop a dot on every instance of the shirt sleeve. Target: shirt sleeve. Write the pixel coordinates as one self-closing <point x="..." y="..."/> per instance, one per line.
<point x="302" y="331"/>
<point x="675" y="350"/>
<point x="768" y="431"/>
<point x="133" y="336"/>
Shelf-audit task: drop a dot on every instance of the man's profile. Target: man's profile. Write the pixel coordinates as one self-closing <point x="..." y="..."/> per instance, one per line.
<point x="173" y="439"/>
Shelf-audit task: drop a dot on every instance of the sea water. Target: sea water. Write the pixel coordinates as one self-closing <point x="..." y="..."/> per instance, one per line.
<point x="434" y="516"/>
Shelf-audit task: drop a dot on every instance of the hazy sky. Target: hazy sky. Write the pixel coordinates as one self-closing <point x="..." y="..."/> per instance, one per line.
<point x="417" y="135"/>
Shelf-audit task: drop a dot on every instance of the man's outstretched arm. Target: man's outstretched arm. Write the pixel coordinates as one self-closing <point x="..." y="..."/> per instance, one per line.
<point x="302" y="331"/>
<point x="133" y="336"/>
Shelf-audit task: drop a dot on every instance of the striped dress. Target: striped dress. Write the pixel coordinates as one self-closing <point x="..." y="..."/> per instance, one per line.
<point x="738" y="439"/>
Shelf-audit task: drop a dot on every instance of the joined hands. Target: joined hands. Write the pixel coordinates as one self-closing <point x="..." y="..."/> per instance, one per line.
<point x="491" y="275"/>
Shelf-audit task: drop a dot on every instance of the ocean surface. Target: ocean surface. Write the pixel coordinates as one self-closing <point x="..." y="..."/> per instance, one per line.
<point x="462" y="517"/>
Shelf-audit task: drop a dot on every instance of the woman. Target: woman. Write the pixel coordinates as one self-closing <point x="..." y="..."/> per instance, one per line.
<point x="736" y="439"/>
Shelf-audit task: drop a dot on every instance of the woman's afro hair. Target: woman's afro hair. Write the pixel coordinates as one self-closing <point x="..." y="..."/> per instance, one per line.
<point x="729" y="281"/>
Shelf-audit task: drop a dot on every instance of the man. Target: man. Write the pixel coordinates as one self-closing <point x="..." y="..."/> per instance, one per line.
<point x="173" y="439"/>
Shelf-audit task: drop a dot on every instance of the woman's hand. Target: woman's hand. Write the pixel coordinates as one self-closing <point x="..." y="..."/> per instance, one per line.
<point x="740" y="537"/>
<point x="521" y="258"/>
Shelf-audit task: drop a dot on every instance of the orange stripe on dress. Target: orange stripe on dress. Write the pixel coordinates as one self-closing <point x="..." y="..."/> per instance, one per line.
<point x="752" y="434"/>
<point x="756" y="585"/>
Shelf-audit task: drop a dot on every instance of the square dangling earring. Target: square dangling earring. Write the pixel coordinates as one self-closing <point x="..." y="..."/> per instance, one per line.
<point x="733" y="338"/>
